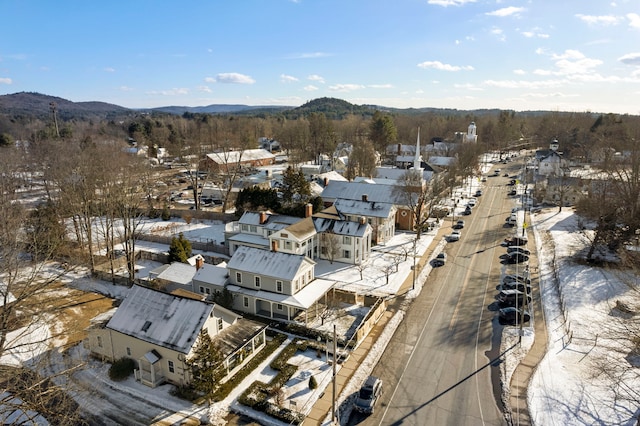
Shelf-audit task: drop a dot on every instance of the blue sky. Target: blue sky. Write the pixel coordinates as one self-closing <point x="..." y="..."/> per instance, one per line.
<point x="560" y="55"/>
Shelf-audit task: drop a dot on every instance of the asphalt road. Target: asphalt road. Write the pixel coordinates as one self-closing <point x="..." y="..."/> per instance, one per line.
<point x="441" y="367"/>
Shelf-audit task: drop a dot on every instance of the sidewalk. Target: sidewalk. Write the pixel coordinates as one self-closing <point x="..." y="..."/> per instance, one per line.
<point x="322" y="407"/>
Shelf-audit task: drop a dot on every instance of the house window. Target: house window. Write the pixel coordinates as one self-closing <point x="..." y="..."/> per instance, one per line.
<point x="287" y="245"/>
<point x="323" y="250"/>
<point x="245" y="228"/>
<point x="128" y="351"/>
<point x="279" y="286"/>
<point x="347" y="254"/>
<point x="285" y="235"/>
<point x="201" y="289"/>
<point x="207" y="290"/>
<point x="279" y="306"/>
<point x="172" y="368"/>
<point x="346" y="240"/>
<point x="220" y="324"/>
<point x="253" y="229"/>
<point x="99" y="341"/>
<point x="238" y="277"/>
<point x="245" y="302"/>
<point x="309" y="275"/>
<point x="257" y="281"/>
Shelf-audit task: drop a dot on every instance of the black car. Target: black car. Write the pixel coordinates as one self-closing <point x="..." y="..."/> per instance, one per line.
<point x="517" y="257"/>
<point x="516" y="241"/>
<point x="440" y="259"/>
<point x="516" y="285"/>
<point x="512" y="192"/>
<point x="519" y="249"/>
<point x="467" y="211"/>
<point x="512" y="316"/>
<point x="459" y="224"/>
<point x="513" y="298"/>
<point x="516" y="277"/>
<point x="368" y="395"/>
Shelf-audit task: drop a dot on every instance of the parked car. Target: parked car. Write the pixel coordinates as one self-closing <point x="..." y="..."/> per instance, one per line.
<point x="454" y="235"/>
<point x="518" y="249"/>
<point x="440" y="259"/>
<point x="459" y="224"/>
<point x="467" y="211"/>
<point x="516" y="257"/>
<point x="472" y="203"/>
<point x="516" y="285"/>
<point x="516" y="241"/>
<point x="478" y="193"/>
<point x="511" y="315"/>
<point x="368" y="395"/>
<point x="516" y="277"/>
<point x="513" y="298"/>
<point x="512" y="192"/>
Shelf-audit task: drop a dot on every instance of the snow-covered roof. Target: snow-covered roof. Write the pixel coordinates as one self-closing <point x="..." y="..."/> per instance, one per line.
<point x="268" y="263"/>
<point x="302" y="299"/>
<point x="212" y="274"/>
<point x="364" y="208"/>
<point x="356" y="190"/>
<point x="341" y="227"/>
<point x="176" y="272"/>
<point x="441" y="161"/>
<point x="302" y="229"/>
<point x="272" y="221"/>
<point x="232" y="157"/>
<point x="159" y="318"/>
<point x="249" y="239"/>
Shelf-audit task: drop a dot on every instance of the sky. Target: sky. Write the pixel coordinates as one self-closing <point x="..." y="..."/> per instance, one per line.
<point x="568" y="55"/>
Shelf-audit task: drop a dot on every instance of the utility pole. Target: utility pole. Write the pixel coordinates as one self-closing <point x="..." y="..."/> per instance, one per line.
<point x="52" y="106"/>
<point x="334" y="414"/>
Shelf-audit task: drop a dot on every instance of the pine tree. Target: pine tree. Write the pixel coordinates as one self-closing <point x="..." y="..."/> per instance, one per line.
<point x="180" y="249"/>
<point x="205" y="365"/>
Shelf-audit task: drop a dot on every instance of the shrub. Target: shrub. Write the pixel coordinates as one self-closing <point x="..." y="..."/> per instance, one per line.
<point x="313" y="383"/>
<point x="121" y="369"/>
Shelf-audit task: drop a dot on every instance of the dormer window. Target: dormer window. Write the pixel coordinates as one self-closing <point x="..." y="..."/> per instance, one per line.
<point x="257" y="281"/>
<point x="146" y="326"/>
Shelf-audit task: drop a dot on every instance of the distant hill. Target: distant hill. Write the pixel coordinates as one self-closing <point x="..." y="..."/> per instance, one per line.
<point x="220" y="109"/>
<point x="33" y="104"/>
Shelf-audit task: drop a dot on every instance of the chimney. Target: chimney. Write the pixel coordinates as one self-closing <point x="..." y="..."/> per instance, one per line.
<point x="199" y="262"/>
<point x="274" y="245"/>
<point x="365" y="197"/>
<point x="399" y="149"/>
<point x="363" y="220"/>
<point x="263" y="217"/>
<point x="308" y="210"/>
<point x="326" y="181"/>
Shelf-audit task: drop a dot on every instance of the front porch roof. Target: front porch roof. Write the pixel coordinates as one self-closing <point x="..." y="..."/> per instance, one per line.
<point x="301" y="300"/>
<point x="249" y="239"/>
<point x="237" y="335"/>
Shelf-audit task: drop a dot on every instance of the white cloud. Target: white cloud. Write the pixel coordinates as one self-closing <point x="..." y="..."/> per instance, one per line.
<point x="230" y="78"/>
<point x="109" y="69"/>
<point x="630" y="58"/>
<point x="507" y="11"/>
<point x="5" y="80"/>
<point x="574" y="62"/>
<point x="205" y="89"/>
<point x="316" y="77"/>
<point x="634" y="20"/>
<point x="524" y="84"/>
<point x="498" y="33"/>
<point x="604" y="20"/>
<point x="287" y="78"/>
<point x="519" y="72"/>
<point x="345" y="87"/>
<point x="310" y="88"/>
<point x="447" y="3"/>
<point x="381" y="86"/>
<point x="126" y="89"/>
<point x="534" y="33"/>
<point x="444" y="67"/>
<point x="309" y="55"/>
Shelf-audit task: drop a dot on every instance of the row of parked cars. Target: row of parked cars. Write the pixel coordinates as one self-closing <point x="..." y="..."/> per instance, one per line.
<point x="514" y="295"/>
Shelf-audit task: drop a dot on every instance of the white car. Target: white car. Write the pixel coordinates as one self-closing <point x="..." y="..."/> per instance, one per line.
<point x="454" y="235"/>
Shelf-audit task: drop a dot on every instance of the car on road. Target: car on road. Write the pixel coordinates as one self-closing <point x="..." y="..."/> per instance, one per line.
<point x="516" y="241"/>
<point x="368" y="395"/>
<point x="513" y="297"/>
<point x="516" y="285"/>
<point x="516" y="277"/>
<point x="454" y="235"/>
<point x="512" y="192"/>
<point x="517" y="257"/>
<point x="511" y="316"/>
<point x="440" y="259"/>
<point x="467" y="211"/>
<point x="459" y="224"/>
<point x="519" y="249"/>
<point x="478" y="193"/>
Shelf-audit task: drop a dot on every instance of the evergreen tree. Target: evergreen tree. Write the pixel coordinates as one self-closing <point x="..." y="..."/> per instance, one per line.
<point x="205" y="365"/>
<point x="180" y="249"/>
<point x="382" y="131"/>
<point x="295" y="184"/>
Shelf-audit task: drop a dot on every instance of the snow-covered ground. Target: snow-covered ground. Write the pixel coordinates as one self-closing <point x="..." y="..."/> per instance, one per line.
<point x="578" y="303"/>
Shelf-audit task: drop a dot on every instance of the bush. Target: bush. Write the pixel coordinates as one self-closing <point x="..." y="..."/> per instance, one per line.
<point x="121" y="369"/>
<point x="313" y="383"/>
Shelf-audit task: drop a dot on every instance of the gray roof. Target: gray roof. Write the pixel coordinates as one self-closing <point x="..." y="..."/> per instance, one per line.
<point x="212" y="274"/>
<point x="267" y="263"/>
<point x="355" y="191"/>
<point x="341" y="227"/>
<point x="363" y="208"/>
<point x="176" y="272"/>
<point x="273" y="221"/>
<point x="159" y="318"/>
<point x="233" y="157"/>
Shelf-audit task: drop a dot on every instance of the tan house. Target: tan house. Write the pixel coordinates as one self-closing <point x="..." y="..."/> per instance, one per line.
<point x="230" y="160"/>
<point x="159" y="332"/>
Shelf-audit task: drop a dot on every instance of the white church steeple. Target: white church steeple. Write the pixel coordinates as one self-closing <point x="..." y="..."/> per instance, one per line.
<point x="417" y="161"/>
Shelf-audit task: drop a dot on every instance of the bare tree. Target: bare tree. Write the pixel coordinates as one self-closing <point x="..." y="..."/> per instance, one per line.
<point x="330" y="245"/>
<point x="421" y="197"/>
